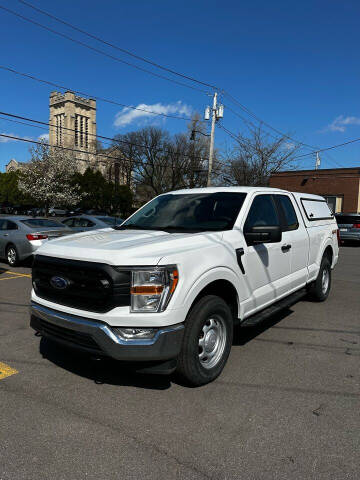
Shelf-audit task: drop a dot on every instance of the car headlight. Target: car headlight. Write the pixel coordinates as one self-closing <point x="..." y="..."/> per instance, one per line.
<point x="152" y="289"/>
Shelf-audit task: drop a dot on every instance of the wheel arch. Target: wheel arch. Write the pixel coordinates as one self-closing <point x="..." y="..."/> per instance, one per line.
<point x="327" y="251"/>
<point x="221" y="283"/>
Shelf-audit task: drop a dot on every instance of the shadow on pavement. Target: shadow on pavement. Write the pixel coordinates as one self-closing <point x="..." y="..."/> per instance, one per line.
<point x="101" y="371"/>
<point x="349" y="243"/>
<point x="108" y="371"/>
<point x="243" y="334"/>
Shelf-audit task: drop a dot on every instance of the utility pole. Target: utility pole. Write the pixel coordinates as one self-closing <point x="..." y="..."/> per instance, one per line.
<point x="217" y="112"/>
<point x="317" y="161"/>
<point x="212" y="134"/>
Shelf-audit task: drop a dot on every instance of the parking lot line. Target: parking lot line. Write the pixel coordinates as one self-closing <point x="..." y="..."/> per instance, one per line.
<point x="6" y="371"/>
<point x="15" y="275"/>
<point x="18" y="273"/>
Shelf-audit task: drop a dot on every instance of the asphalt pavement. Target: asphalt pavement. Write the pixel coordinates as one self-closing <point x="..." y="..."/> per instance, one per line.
<point x="286" y="406"/>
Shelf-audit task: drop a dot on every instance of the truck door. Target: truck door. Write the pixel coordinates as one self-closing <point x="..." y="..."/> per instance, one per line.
<point x="296" y="237"/>
<point x="267" y="265"/>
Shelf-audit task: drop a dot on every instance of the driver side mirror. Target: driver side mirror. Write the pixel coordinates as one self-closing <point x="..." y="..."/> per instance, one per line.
<point x="259" y="234"/>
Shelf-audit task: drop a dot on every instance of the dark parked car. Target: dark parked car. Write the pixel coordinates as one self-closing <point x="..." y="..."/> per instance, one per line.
<point x="349" y="226"/>
<point x="82" y="223"/>
<point x="21" y="236"/>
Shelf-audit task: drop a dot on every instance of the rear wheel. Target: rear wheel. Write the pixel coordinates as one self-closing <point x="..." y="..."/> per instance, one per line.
<point x="12" y="256"/>
<point x="319" y="289"/>
<point x="207" y="341"/>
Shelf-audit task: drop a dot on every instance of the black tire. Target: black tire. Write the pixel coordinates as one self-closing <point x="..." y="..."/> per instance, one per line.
<point x="212" y="314"/>
<point x="318" y="290"/>
<point x="12" y="256"/>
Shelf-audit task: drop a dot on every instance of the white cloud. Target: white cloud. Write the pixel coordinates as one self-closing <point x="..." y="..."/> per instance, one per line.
<point x="44" y="136"/>
<point x="6" y="139"/>
<point x="127" y="115"/>
<point x="341" y="123"/>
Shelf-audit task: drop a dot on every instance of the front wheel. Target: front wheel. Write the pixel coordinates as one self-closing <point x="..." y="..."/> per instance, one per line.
<point x="12" y="256"/>
<point x="319" y="289"/>
<point x="207" y="341"/>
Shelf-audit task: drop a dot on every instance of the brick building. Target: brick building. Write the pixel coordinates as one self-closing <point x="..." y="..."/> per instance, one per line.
<point x="340" y="186"/>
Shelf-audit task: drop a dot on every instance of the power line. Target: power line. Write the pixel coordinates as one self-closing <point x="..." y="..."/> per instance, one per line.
<point x="305" y="154"/>
<point x="245" y="109"/>
<point x="37" y="142"/>
<point x="101" y="52"/>
<point x="123" y="50"/>
<point x="328" y="148"/>
<point x="114" y="140"/>
<point x="233" y="99"/>
<point x="258" y="119"/>
<point x="41" y="128"/>
<point x="114" y="159"/>
<point x="95" y="97"/>
<point x="233" y="135"/>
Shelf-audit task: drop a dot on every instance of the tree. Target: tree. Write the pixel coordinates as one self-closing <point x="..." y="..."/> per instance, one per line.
<point x="9" y="191"/>
<point x="159" y="162"/>
<point x="48" y="177"/>
<point x="100" y="194"/>
<point x="256" y="157"/>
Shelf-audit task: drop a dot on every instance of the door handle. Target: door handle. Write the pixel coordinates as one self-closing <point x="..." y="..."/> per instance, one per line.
<point x="6" y="234"/>
<point x="286" y="248"/>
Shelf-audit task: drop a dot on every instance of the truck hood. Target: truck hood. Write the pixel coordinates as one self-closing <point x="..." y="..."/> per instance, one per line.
<point x="126" y="247"/>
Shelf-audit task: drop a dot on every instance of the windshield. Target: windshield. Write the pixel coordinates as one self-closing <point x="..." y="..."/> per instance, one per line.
<point x="41" y="222"/>
<point x="188" y="212"/>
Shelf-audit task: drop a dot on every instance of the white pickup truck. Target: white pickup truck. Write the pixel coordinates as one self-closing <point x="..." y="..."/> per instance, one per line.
<point x="166" y="287"/>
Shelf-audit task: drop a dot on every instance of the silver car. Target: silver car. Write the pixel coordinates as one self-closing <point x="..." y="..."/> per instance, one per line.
<point x="349" y="226"/>
<point x="54" y="211"/>
<point x="82" y="223"/>
<point x="21" y="236"/>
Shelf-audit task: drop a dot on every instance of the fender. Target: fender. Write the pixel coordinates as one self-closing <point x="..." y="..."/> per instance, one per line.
<point x="217" y="273"/>
<point x="328" y="242"/>
<point x="314" y="268"/>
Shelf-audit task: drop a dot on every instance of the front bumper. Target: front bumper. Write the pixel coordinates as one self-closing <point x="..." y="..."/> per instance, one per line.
<point x="98" y="338"/>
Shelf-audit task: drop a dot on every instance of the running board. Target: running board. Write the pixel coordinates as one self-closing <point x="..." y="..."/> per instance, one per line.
<point x="274" y="308"/>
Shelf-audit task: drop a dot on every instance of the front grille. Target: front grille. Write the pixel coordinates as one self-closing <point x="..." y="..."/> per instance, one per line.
<point x="66" y="335"/>
<point x="94" y="287"/>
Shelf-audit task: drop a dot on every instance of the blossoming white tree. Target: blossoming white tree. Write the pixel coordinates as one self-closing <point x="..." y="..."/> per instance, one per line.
<point x="48" y="177"/>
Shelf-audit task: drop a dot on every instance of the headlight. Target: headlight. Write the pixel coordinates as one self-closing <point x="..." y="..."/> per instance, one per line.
<point x="151" y="289"/>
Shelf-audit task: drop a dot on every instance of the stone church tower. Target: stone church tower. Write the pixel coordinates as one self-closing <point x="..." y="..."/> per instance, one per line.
<point x="69" y="111"/>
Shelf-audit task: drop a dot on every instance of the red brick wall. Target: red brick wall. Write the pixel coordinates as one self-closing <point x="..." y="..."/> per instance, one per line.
<point x="341" y="182"/>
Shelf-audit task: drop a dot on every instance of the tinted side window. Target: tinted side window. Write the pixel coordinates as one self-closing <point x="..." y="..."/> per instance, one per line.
<point x="262" y="213"/>
<point x="69" y="222"/>
<point x="84" y="222"/>
<point x="2" y="224"/>
<point x="10" y="225"/>
<point x="290" y="219"/>
<point x="77" y="222"/>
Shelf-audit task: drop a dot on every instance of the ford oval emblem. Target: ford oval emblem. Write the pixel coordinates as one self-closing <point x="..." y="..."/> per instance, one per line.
<point x="59" y="282"/>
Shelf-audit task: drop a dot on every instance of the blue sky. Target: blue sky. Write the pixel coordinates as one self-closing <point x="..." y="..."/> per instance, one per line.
<point x="295" y="64"/>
